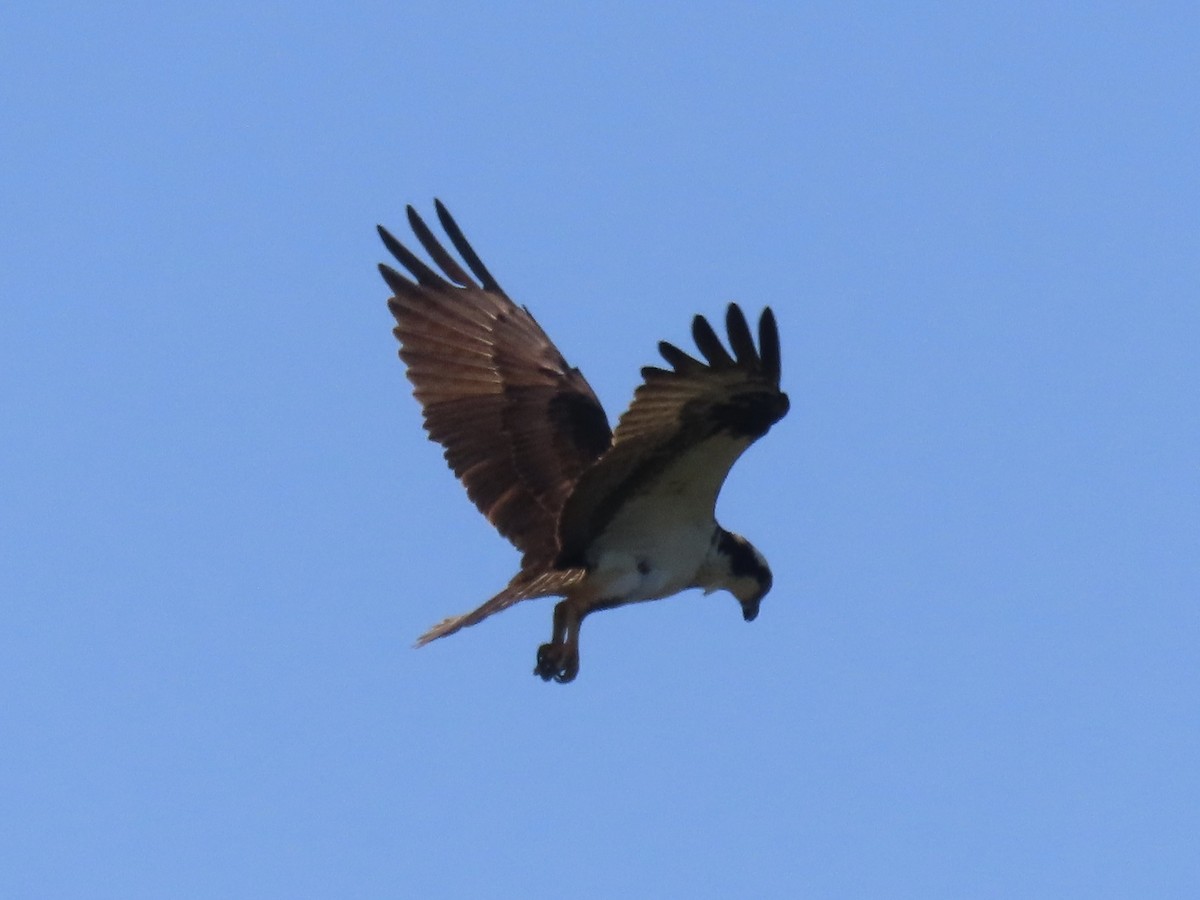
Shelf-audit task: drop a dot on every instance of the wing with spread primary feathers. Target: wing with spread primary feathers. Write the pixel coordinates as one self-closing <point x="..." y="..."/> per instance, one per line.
<point x="518" y="424"/>
<point x="686" y="427"/>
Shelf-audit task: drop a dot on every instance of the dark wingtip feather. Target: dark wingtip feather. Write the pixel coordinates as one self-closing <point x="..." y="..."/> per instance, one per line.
<point x="417" y="224"/>
<point x="436" y="251"/>
<point x="709" y="344"/>
<point x="397" y="282"/>
<point x="768" y="343"/>
<point x="679" y="360"/>
<point x="474" y="263"/>
<point x="740" y="338"/>
<point x="651" y="372"/>
<point x="386" y="237"/>
<point x="410" y="260"/>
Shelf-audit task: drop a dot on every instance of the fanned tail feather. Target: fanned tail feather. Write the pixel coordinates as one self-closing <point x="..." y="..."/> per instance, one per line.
<point x="524" y="586"/>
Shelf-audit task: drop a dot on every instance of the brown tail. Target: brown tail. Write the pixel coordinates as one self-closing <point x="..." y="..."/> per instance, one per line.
<point x="524" y="586"/>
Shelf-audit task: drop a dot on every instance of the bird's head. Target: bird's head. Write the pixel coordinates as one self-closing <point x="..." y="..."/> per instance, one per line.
<point x="741" y="570"/>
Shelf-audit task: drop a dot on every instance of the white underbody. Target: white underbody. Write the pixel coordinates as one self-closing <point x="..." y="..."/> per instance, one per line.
<point x="660" y="540"/>
<point x="647" y="561"/>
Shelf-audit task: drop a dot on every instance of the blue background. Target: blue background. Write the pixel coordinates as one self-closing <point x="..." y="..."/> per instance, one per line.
<point x="221" y="527"/>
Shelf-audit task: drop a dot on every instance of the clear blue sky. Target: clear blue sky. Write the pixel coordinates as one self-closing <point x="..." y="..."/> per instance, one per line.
<point x="221" y="528"/>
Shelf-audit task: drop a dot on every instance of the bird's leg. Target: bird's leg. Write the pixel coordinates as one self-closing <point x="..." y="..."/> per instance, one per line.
<point x="559" y="659"/>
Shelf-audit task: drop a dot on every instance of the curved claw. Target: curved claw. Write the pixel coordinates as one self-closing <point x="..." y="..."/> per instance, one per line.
<point x="559" y="662"/>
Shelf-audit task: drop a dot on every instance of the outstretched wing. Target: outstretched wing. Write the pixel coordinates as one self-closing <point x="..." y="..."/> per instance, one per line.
<point x="518" y="423"/>
<point x="686" y="427"/>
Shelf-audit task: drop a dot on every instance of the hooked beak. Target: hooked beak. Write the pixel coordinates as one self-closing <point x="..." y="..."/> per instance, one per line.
<point x="750" y="608"/>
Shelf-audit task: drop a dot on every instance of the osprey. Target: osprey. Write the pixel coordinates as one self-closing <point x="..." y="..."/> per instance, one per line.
<point x="602" y="517"/>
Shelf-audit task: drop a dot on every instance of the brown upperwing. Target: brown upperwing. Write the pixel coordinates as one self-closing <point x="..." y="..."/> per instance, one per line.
<point x="519" y="425"/>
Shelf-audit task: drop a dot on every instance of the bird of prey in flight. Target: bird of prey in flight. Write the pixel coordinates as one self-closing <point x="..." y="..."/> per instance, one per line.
<point x="602" y="517"/>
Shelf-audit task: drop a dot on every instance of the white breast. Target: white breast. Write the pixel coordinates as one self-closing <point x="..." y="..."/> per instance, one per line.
<point x="656" y="543"/>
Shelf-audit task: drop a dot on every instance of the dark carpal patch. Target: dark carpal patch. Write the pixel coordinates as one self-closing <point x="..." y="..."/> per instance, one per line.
<point x="583" y="421"/>
<point x="750" y="414"/>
